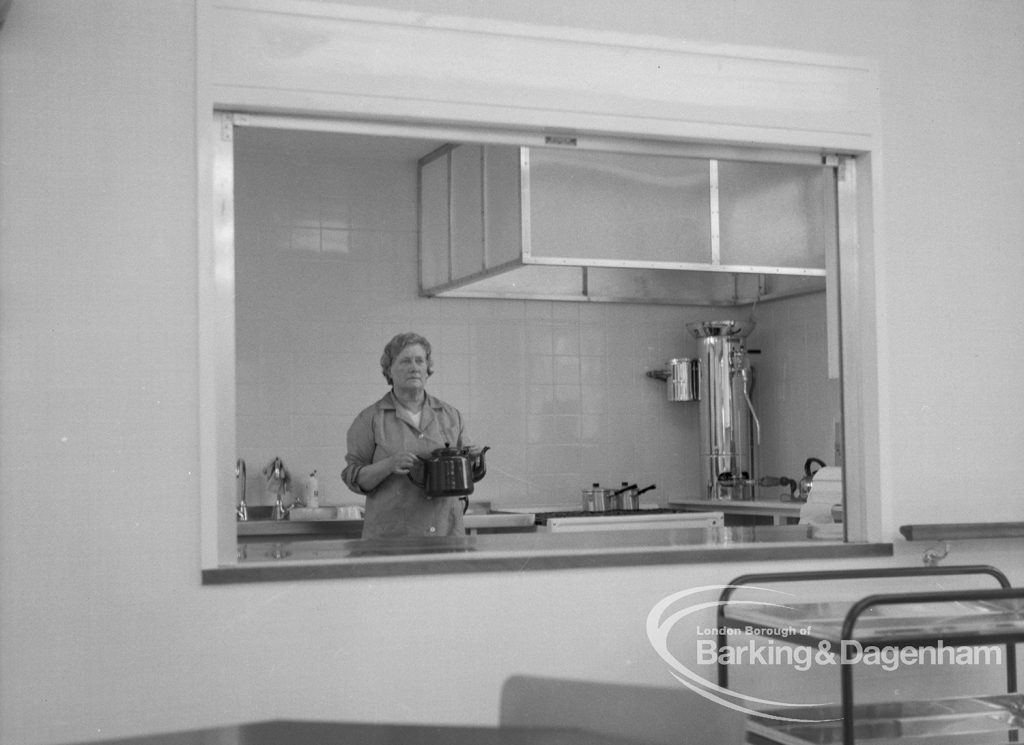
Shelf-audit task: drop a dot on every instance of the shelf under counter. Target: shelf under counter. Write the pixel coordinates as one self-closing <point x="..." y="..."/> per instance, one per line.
<point x="782" y="513"/>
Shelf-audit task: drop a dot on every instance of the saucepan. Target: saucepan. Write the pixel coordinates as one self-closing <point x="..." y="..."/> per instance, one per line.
<point x="623" y="499"/>
<point x="627" y="497"/>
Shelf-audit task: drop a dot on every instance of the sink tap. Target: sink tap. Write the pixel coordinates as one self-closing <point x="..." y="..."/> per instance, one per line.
<point x="277" y="481"/>
<point x="279" y="513"/>
<point x="242" y="511"/>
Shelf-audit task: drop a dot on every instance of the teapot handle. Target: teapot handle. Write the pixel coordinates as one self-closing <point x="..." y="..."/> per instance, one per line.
<point x="421" y="484"/>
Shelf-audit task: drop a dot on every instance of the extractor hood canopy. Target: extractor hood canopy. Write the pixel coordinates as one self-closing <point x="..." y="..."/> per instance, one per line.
<point x="625" y="222"/>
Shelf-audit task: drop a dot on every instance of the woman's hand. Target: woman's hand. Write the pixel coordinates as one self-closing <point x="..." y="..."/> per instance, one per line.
<point x="370" y="476"/>
<point x="403" y="462"/>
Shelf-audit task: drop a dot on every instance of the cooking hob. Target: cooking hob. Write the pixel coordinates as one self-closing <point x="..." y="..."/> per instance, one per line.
<point x="541" y="518"/>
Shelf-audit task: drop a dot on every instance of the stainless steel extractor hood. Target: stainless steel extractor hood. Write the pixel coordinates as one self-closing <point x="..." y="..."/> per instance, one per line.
<point x="646" y="224"/>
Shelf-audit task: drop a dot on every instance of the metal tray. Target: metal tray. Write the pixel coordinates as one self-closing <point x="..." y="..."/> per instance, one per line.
<point x="962" y="618"/>
<point x="955" y="721"/>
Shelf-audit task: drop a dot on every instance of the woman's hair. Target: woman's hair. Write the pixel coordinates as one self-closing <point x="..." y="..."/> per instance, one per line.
<point x="394" y="348"/>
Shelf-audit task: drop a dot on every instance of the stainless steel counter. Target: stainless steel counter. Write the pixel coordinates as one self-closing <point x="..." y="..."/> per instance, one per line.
<point x="781" y="512"/>
<point x="284" y="559"/>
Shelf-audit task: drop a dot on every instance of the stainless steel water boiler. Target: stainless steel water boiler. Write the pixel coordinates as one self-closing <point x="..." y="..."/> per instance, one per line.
<point x="729" y="428"/>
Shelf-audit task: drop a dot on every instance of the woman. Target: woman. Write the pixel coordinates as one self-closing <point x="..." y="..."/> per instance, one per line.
<point x="385" y="440"/>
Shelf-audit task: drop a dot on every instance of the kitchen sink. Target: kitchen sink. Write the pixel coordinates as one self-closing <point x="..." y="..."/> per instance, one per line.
<point x="315" y="550"/>
<point x="260" y="512"/>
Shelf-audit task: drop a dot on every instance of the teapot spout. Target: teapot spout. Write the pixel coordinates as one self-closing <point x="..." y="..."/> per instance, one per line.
<point x="480" y="467"/>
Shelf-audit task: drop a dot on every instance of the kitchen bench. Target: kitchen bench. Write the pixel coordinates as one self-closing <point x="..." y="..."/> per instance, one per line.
<point x="273" y="559"/>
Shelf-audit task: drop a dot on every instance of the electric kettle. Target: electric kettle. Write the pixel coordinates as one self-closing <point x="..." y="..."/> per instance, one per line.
<point x="450" y="472"/>
<point x="807" y="480"/>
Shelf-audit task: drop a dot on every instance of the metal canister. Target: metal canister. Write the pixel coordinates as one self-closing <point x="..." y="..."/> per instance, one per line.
<point x="601" y="499"/>
<point x="588" y="499"/>
<point x="682" y="382"/>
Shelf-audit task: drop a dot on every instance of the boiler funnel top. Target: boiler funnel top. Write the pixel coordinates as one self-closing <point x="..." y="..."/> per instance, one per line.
<point x="736" y="329"/>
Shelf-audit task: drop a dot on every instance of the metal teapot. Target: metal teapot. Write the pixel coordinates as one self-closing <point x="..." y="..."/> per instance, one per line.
<point x="804" y="487"/>
<point x="450" y="472"/>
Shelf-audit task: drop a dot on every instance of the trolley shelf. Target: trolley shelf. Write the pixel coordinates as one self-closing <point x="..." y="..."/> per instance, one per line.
<point x="950" y="618"/>
<point x="958" y="721"/>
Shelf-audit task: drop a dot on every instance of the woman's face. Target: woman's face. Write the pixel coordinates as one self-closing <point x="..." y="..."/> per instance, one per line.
<point x="409" y="368"/>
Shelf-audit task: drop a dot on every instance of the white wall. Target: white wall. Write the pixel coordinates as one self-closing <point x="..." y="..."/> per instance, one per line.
<point x="105" y="628"/>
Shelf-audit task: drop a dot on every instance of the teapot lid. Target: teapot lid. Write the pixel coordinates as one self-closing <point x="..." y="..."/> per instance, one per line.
<point x="447" y="450"/>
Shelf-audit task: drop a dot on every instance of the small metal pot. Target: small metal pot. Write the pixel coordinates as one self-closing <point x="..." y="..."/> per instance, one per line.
<point x="624" y="498"/>
<point x="596" y="499"/>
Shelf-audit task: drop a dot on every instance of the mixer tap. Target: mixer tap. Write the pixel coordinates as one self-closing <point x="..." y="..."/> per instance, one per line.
<point x="242" y="511"/>
<point x="277" y="481"/>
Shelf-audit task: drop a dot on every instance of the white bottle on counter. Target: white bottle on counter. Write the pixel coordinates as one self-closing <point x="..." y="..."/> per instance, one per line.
<point x="312" y="491"/>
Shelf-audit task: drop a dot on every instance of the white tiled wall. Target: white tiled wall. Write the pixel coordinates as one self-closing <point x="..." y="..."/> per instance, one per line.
<point x="326" y="267"/>
<point x="797" y="403"/>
